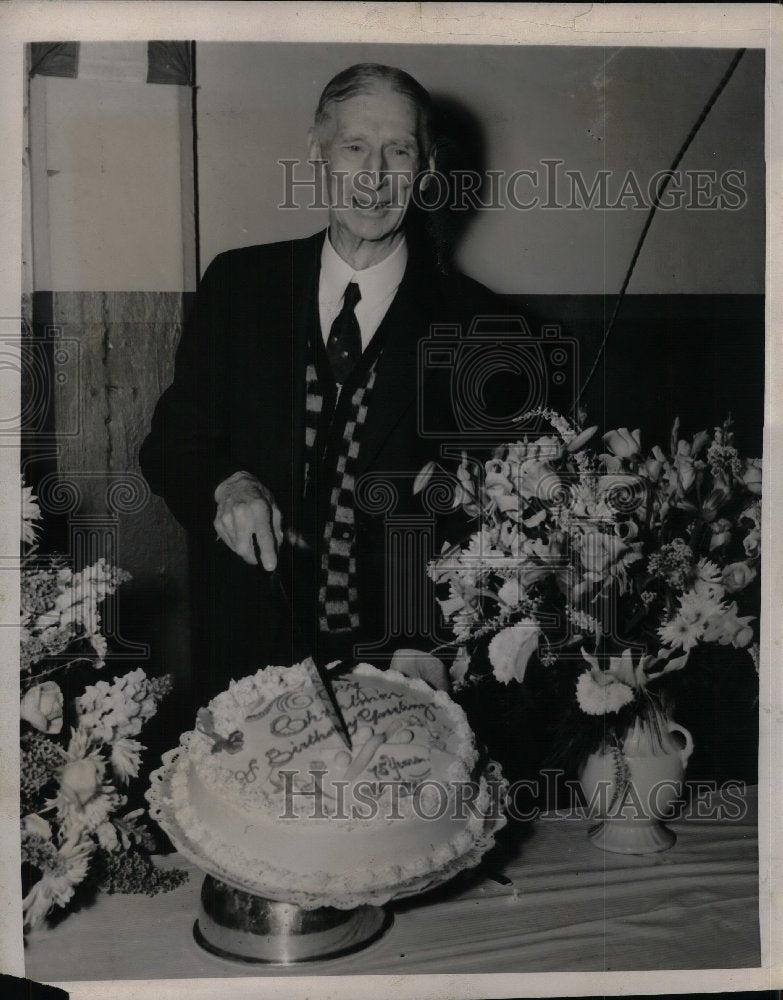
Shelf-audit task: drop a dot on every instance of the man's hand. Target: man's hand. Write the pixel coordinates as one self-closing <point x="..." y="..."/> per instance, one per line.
<point x="425" y="666"/>
<point x="247" y="508"/>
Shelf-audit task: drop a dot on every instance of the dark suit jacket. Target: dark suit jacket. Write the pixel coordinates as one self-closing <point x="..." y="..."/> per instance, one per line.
<point x="238" y="401"/>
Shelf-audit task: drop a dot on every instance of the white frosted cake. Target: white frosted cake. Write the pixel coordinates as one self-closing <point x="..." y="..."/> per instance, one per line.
<point x="267" y="790"/>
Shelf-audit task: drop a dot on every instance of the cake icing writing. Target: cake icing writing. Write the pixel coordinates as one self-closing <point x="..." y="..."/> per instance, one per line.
<point x="299" y="722"/>
<point x="233" y="793"/>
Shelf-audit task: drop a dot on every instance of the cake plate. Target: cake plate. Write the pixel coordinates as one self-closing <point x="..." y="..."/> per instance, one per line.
<point x="275" y="923"/>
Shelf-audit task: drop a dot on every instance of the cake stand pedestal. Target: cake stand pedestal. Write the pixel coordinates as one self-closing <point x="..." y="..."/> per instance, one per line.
<point x="245" y="927"/>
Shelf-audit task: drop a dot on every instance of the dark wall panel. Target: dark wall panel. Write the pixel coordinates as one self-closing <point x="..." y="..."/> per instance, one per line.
<point x="697" y="356"/>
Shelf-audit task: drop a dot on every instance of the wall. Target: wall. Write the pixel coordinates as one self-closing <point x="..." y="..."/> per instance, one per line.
<point x="110" y="175"/>
<point x="594" y="108"/>
<point x="112" y="163"/>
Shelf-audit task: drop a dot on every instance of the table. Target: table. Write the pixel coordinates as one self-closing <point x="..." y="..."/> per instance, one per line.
<point x="571" y="908"/>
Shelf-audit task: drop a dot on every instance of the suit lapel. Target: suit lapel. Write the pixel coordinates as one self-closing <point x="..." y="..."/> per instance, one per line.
<point x="305" y="267"/>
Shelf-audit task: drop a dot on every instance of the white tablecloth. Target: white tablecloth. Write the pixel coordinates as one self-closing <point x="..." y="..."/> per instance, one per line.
<point x="571" y="908"/>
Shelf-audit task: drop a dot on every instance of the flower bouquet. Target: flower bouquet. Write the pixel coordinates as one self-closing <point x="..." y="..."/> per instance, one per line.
<point x="604" y="566"/>
<point x="74" y="830"/>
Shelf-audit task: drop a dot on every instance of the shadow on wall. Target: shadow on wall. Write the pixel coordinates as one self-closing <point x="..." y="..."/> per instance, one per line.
<point x="460" y="162"/>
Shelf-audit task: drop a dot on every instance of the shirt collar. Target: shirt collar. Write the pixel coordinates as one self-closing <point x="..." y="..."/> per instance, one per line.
<point x="376" y="283"/>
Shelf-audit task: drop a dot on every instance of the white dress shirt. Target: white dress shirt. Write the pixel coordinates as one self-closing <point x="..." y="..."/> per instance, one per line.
<point x="378" y="285"/>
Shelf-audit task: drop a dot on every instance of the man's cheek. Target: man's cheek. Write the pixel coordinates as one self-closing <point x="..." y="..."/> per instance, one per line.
<point x="400" y="188"/>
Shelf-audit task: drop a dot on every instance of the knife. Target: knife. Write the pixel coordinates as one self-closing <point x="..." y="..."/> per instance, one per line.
<point x="326" y="681"/>
<point x="323" y="673"/>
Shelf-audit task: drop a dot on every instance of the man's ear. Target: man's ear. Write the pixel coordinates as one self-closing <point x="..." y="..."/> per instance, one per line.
<point x="430" y="170"/>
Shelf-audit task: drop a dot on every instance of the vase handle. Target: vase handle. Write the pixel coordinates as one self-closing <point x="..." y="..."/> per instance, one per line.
<point x="687" y="750"/>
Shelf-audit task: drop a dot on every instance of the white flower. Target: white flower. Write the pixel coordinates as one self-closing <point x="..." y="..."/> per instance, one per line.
<point x="728" y="628"/>
<point x="708" y="578"/>
<point x="42" y="707"/>
<point x="76" y="605"/>
<point x="575" y="442"/>
<point x="84" y="800"/>
<point x="596" y="697"/>
<point x="31" y="513"/>
<point x="600" y="691"/>
<point x="752" y="542"/>
<point x="129" y="828"/>
<point x="535" y="519"/>
<point x="685" y="629"/>
<point x="80" y="781"/>
<point x="753" y="514"/>
<point x="623" y="443"/>
<point x="107" y="836"/>
<point x="684" y="466"/>
<point x="697" y="605"/>
<point x="538" y="479"/>
<point x="585" y="501"/>
<point x="465" y="490"/>
<point x="125" y="759"/>
<point x="464" y="624"/>
<point x="511" y="649"/>
<point x="92" y="707"/>
<point x="511" y="593"/>
<point x="34" y="825"/>
<point x="603" y="555"/>
<point x="451" y="605"/>
<point x="509" y="537"/>
<point x="423" y="476"/>
<point x="98" y="642"/>
<point x="55" y="888"/>
<point x="737" y="576"/>
<point x="721" y="533"/>
<point x="479" y="556"/>
<point x="751" y="475"/>
<point x="583" y="621"/>
<point x="459" y="667"/>
<point x="109" y="712"/>
<point x="681" y="633"/>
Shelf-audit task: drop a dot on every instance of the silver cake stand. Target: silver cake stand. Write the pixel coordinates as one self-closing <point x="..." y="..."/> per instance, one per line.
<point x="244" y="927"/>
<point x="273" y="923"/>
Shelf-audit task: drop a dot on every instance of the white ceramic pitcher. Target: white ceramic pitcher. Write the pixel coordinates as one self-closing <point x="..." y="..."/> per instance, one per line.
<point x="631" y="790"/>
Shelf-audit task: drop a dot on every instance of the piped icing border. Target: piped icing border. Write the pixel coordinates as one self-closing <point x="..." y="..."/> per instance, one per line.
<point x="255" y="870"/>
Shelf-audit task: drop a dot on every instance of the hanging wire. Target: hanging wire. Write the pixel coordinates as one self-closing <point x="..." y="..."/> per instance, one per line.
<point x="648" y="221"/>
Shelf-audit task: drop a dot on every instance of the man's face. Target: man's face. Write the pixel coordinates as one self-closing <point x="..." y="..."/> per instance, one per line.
<point x="372" y="155"/>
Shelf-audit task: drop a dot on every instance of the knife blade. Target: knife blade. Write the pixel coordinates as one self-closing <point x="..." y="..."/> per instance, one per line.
<point x="326" y="681"/>
<point x="323" y="673"/>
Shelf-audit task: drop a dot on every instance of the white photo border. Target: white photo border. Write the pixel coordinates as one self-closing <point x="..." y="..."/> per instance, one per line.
<point x="672" y="25"/>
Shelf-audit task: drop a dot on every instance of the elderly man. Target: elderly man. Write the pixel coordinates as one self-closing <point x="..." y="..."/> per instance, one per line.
<point x="296" y="381"/>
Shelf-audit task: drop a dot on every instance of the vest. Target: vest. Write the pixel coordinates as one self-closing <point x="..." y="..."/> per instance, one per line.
<point x="333" y="435"/>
